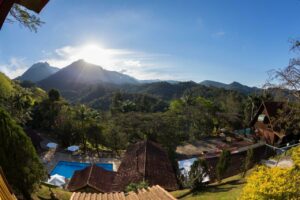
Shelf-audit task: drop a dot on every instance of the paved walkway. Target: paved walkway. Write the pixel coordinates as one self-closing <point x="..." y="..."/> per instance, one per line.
<point x="282" y="163"/>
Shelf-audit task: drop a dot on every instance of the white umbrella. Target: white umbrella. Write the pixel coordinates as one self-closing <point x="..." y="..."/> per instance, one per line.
<point x="52" y="145"/>
<point x="73" y="148"/>
<point x="57" y="180"/>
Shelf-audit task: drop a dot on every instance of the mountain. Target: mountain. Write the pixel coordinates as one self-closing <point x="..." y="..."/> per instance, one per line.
<point x="158" y="80"/>
<point x="82" y="74"/>
<point x="37" y="72"/>
<point x="236" y="86"/>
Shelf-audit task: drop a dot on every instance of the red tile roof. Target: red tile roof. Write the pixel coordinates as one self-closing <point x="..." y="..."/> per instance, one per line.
<point x="94" y="177"/>
<point x="152" y="193"/>
<point x="148" y="161"/>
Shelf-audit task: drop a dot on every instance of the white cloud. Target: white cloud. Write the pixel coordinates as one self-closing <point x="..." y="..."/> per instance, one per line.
<point x="218" y="34"/>
<point x="138" y="64"/>
<point x="14" y="68"/>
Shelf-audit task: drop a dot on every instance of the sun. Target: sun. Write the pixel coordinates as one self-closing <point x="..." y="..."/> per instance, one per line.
<point x="95" y="54"/>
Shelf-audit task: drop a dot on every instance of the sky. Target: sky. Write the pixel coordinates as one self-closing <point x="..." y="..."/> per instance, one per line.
<point x="221" y="40"/>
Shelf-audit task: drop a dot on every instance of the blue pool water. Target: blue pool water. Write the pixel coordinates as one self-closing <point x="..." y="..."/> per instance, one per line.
<point x="67" y="169"/>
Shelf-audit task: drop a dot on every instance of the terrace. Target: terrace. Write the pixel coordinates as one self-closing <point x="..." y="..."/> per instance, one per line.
<point x="212" y="146"/>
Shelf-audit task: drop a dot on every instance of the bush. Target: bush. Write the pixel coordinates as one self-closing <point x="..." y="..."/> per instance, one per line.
<point x="134" y="187"/>
<point x="248" y="161"/>
<point x="296" y="155"/>
<point x="222" y="164"/>
<point x="272" y="183"/>
<point x="198" y="172"/>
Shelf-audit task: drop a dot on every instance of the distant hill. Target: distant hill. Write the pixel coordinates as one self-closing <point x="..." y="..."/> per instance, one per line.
<point x="236" y="86"/>
<point x="158" y="80"/>
<point x="37" y="72"/>
<point x="82" y="74"/>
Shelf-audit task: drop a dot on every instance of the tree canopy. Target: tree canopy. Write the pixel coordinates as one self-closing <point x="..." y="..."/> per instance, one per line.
<point x="18" y="157"/>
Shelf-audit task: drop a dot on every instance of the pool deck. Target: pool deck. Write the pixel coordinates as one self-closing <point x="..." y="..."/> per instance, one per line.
<point x="50" y="159"/>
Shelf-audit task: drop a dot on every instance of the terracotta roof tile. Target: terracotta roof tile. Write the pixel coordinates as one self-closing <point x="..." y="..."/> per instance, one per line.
<point x="151" y="193"/>
<point x="148" y="161"/>
<point x="92" y="176"/>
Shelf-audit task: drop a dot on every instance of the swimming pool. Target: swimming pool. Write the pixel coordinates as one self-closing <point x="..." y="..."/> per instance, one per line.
<point x="67" y="169"/>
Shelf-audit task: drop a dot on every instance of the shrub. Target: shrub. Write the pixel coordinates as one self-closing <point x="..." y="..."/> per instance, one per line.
<point x="248" y="161"/>
<point x="296" y="155"/>
<point x="134" y="187"/>
<point x="272" y="183"/>
<point x="222" y="164"/>
<point x="198" y="172"/>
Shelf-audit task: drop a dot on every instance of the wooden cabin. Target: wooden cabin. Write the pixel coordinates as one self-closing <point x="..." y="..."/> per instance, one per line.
<point x="264" y="125"/>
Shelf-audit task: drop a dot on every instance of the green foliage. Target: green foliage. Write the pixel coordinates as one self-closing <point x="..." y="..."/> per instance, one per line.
<point x="6" y="86"/>
<point x="248" y="161"/>
<point x="53" y="95"/>
<point x="223" y="164"/>
<point x="25" y="18"/>
<point x="134" y="187"/>
<point x="196" y="114"/>
<point x="18" y="157"/>
<point x="95" y="136"/>
<point x="199" y="170"/>
<point x="45" y="113"/>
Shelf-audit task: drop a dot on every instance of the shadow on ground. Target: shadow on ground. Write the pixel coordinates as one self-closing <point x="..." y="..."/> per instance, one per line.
<point x="214" y="188"/>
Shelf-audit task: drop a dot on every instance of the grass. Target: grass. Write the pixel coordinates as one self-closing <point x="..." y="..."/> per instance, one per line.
<point x="229" y="189"/>
<point x="43" y="193"/>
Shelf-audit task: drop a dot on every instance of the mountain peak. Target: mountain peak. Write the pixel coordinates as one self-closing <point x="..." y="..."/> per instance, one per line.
<point x="38" y="71"/>
<point x="232" y="86"/>
<point x="81" y="63"/>
<point x="81" y="72"/>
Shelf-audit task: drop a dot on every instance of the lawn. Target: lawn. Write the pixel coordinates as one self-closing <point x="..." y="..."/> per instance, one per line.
<point x="43" y="193"/>
<point x="229" y="189"/>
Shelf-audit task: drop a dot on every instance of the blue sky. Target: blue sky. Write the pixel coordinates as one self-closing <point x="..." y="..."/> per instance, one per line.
<point x="226" y="41"/>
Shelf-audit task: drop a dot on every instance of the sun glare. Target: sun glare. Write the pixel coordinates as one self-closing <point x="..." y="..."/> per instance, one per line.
<point x="95" y="54"/>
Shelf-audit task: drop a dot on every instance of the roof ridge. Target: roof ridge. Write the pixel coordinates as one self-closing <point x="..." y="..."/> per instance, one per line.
<point x="90" y="173"/>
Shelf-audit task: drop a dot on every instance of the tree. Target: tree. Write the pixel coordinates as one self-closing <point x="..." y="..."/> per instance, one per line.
<point x="18" y="157"/>
<point x="197" y="174"/>
<point x="25" y="18"/>
<point x="288" y="77"/>
<point x="223" y="164"/>
<point x="95" y="135"/>
<point x="248" y="161"/>
<point x="54" y="95"/>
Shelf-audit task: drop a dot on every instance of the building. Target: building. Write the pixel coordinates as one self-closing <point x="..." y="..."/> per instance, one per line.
<point x="92" y="179"/>
<point x="154" y="192"/>
<point x="143" y="161"/>
<point x="264" y="124"/>
<point x="6" y="5"/>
